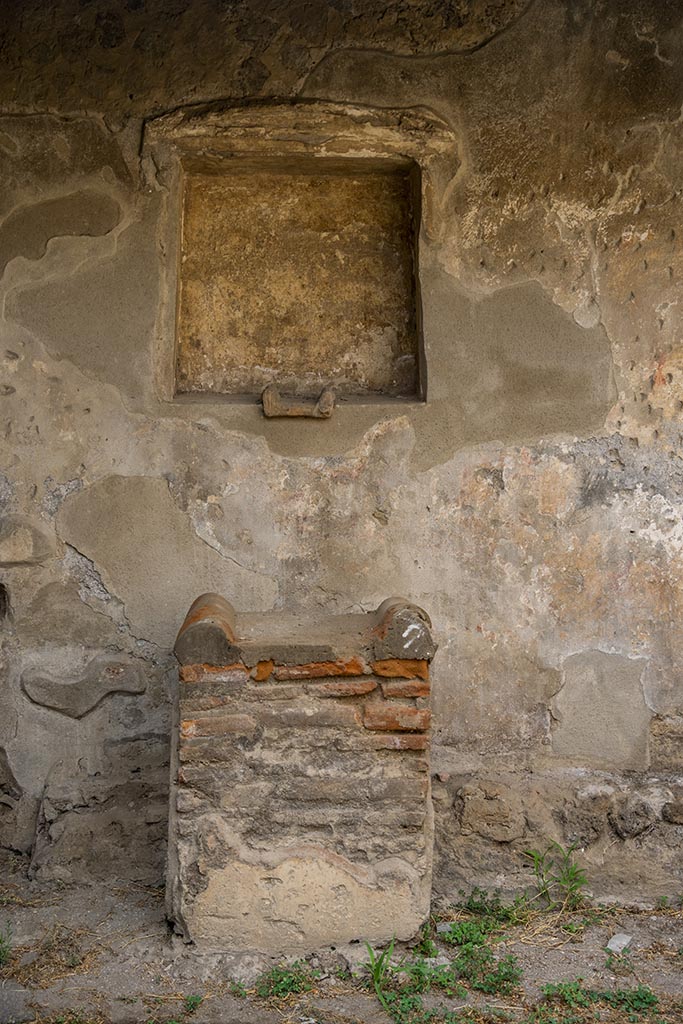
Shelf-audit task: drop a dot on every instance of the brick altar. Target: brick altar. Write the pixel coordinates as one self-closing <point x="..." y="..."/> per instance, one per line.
<point x="300" y="788"/>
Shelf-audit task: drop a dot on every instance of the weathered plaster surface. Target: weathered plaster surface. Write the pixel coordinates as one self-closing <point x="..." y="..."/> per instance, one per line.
<point x="302" y="279"/>
<point x="532" y="505"/>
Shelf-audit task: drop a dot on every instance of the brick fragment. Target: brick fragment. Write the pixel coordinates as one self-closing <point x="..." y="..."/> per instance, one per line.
<point x="190" y="707"/>
<point x="322" y="669"/>
<point x="218" y="750"/>
<point x="406" y="688"/>
<point x="343" y="688"/>
<point x="198" y="673"/>
<point x="262" y="670"/>
<point x="332" y="716"/>
<point x="404" y="741"/>
<point x="217" y="725"/>
<point x="401" y="668"/>
<point x="396" y="718"/>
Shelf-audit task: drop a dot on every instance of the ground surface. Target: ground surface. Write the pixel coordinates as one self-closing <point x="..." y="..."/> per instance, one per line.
<point x="104" y="955"/>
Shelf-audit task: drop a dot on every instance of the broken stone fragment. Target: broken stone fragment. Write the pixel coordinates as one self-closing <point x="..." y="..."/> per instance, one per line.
<point x="492" y="812"/>
<point x="631" y="816"/>
<point x="17" y="810"/>
<point x="673" y="812"/>
<point x="104" y="675"/>
<point x="619" y="943"/>
<point x="23" y="542"/>
<point x="9" y="787"/>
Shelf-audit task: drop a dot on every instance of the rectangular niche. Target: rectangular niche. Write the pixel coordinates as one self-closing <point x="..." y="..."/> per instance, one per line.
<point x="300" y="272"/>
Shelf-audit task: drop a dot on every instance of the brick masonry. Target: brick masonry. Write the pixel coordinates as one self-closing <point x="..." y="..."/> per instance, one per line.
<point x="300" y="790"/>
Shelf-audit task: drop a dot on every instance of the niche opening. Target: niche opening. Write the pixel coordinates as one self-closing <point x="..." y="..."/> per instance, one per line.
<point x="299" y="272"/>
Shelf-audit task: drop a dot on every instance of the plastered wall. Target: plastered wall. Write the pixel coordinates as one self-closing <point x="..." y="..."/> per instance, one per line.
<point x="531" y="505"/>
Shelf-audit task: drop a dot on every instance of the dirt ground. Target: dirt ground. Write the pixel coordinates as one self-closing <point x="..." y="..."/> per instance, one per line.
<point x="105" y="955"/>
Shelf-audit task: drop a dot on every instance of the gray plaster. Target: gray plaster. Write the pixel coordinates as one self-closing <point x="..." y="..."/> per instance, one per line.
<point x="591" y="726"/>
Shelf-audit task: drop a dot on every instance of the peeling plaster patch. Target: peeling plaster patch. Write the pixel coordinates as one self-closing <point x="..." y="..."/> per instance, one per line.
<point x="83" y="570"/>
<point x="600" y="712"/>
<point x="149" y="555"/>
<point x="56" y="493"/>
<point x="106" y="335"/>
<point x="651" y="518"/>
<point x="587" y="314"/>
<point x="6" y="491"/>
<point x="27" y="230"/>
<point x="24" y="542"/>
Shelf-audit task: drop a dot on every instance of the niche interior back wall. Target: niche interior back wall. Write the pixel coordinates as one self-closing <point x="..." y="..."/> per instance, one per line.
<point x="532" y="504"/>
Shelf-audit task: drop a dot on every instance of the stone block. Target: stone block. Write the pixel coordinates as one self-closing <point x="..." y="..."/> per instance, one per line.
<point x="491" y="811"/>
<point x="673" y="812"/>
<point x="395" y="718"/>
<point x="666" y="743"/>
<point x="300" y="809"/>
<point x="631" y="815"/>
<point x="24" y="542"/>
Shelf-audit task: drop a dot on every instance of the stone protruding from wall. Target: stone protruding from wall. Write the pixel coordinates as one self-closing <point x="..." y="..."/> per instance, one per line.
<point x="300" y="791"/>
<point x="24" y="542"/>
<point x="105" y="674"/>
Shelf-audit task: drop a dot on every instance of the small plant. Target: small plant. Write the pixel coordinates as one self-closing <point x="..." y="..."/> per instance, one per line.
<point x="236" y="988"/>
<point x="634" y="1002"/>
<point x="480" y="969"/>
<point x="468" y="933"/>
<point x="491" y="908"/>
<point x="378" y="966"/>
<point x="559" y="879"/>
<point x="407" y="1008"/>
<point x="5" y="945"/>
<point x="281" y="981"/>
<point x="425" y="945"/>
<point x="571" y="993"/>
<point x="192" y="1003"/>
<point x="421" y="975"/>
<point x="71" y="1017"/>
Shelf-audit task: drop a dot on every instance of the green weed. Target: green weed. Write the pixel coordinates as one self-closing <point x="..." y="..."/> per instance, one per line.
<point x="634" y="1002"/>
<point x="478" y="967"/>
<point x="236" y="988"/>
<point x="491" y="908"/>
<point x="422" y="975"/>
<point x="407" y="1008"/>
<point x="469" y="932"/>
<point x="5" y="945"/>
<point x="425" y="945"/>
<point x="281" y="981"/>
<point x="192" y="1003"/>
<point x="378" y="966"/>
<point x="559" y="879"/>
<point x="571" y="993"/>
